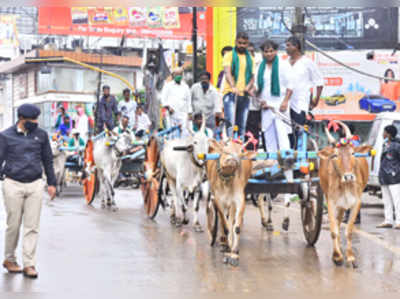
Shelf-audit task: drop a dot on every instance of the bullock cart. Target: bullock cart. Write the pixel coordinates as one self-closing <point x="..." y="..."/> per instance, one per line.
<point x="153" y="182"/>
<point x="131" y="166"/>
<point x="267" y="178"/>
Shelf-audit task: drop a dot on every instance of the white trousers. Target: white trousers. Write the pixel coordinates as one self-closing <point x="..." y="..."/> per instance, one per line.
<point x="178" y="120"/>
<point x="391" y="202"/>
<point x="276" y="138"/>
<point x="23" y="204"/>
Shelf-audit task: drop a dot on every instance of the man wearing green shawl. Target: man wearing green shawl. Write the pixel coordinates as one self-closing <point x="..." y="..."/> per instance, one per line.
<point x="274" y="89"/>
<point x="238" y="67"/>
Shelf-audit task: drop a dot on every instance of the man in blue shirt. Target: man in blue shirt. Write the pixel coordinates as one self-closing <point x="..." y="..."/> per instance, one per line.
<point x="107" y="111"/>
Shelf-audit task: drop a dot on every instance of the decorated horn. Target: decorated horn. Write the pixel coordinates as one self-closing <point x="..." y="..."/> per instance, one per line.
<point x="331" y="140"/>
<point x="189" y="126"/>
<point x="203" y="123"/>
<point x="346" y="129"/>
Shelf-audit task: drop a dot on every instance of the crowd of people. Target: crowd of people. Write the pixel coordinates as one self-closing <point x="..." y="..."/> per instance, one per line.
<point x="125" y="115"/>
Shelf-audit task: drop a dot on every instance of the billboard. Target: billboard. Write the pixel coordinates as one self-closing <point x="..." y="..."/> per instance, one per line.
<point x="348" y="95"/>
<point x="328" y="27"/>
<point x="156" y="22"/>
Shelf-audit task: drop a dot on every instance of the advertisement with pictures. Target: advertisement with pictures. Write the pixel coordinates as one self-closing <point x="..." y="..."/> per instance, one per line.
<point x="349" y="95"/>
<point x="155" y="22"/>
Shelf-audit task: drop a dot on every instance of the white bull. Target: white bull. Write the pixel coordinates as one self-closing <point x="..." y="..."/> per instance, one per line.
<point x="107" y="155"/>
<point x="59" y="159"/>
<point x="185" y="172"/>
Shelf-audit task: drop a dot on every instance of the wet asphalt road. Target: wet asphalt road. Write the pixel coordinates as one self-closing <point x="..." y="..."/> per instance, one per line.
<point x="87" y="250"/>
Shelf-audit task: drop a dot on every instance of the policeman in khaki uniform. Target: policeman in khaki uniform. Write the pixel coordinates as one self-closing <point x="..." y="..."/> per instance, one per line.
<point x="24" y="152"/>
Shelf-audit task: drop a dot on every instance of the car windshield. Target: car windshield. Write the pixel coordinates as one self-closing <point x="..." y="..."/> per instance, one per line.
<point x="374" y="97"/>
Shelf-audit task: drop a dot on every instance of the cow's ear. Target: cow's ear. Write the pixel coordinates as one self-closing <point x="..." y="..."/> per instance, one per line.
<point x="326" y="152"/>
<point x="214" y="146"/>
<point x="363" y="149"/>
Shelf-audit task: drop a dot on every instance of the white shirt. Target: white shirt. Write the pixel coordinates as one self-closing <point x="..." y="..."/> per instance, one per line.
<point x="306" y="75"/>
<point x="142" y="122"/>
<point x="285" y="82"/>
<point x="82" y="125"/>
<point x="207" y="103"/>
<point x="128" y="109"/>
<point x="177" y="96"/>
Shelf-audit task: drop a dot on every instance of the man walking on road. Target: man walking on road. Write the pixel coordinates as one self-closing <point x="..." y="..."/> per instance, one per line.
<point x="24" y="150"/>
<point x="238" y="66"/>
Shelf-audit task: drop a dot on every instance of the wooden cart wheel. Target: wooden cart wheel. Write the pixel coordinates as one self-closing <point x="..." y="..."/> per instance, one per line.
<point x="150" y="197"/>
<point x="90" y="183"/>
<point x="212" y="220"/>
<point x="90" y="187"/>
<point x="311" y="213"/>
<point x="150" y="186"/>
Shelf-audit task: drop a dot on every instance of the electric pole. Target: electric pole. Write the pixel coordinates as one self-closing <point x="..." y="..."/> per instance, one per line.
<point x="298" y="28"/>
<point x="194" y="40"/>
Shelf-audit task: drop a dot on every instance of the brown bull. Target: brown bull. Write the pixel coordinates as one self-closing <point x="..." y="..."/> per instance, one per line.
<point x="228" y="178"/>
<point x="343" y="178"/>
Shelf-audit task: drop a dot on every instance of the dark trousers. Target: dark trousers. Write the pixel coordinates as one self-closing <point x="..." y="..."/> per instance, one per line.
<point x="109" y="124"/>
<point x="253" y="126"/>
<point x="300" y="119"/>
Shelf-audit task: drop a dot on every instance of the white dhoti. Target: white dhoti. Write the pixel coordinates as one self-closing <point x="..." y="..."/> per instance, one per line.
<point x="178" y="119"/>
<point x="276" y="136"/>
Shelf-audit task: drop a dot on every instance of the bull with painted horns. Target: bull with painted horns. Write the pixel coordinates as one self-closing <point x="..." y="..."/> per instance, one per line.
<point x="343" y="177"/>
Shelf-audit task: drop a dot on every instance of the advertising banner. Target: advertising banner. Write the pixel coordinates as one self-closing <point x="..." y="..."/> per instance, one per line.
<point x="328" y="27"/>
<point x="156" y="22"/>
<point x="348" y="95"/>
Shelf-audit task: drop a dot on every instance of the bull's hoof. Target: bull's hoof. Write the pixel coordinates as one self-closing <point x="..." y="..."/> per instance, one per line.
<point x="264" y="222"/>
<point x="270" y="227"/>
<point x="172" y="219"/>
<point x="103" y="205"/>
<point x="185" y="221"/>
<point x="351" y="262"/>
<point x="198" y="228"/>
<point x="338" y="260"/>
<point x="224" y="248"/>
<point x="285" y="224"/>
<point x="178" y="222"/>
<point x="109" y="203"/>
<point x="114" y="208"/>
<point x="354" y="264"/>
<point x="234" y="261"/>
<point x="226" y="259"/>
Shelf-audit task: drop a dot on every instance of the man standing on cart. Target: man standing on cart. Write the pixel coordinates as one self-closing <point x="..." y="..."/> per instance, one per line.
<point x="238" y="66"/>
<point x="274" y="90"/>
<point x="175" y="98"/>
<point x="107" y="111"/>
<point x="306" y="75"/>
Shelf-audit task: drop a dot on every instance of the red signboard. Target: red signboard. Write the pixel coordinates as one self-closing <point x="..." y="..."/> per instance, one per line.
<point x="161" y="22"/>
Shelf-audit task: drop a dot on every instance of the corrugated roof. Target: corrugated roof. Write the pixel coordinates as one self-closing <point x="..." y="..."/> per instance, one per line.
<point x="127" y="61"/>
<point x="18" y="63"/>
